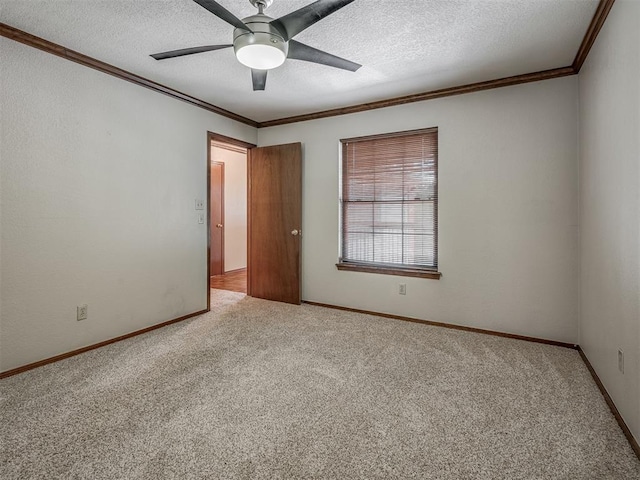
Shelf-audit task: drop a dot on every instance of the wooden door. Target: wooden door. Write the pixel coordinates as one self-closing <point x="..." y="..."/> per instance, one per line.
<point x="217" y="219"/>
<point x="275" y="220"/>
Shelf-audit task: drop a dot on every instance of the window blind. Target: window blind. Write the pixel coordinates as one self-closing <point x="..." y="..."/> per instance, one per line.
<point x="389" y="200"/>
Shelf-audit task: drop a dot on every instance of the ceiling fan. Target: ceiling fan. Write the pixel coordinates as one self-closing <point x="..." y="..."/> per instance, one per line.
<point x="263" y="43"/>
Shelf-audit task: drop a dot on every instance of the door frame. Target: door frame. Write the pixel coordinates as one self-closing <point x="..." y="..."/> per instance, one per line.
<point x="217" y="137"/>
<point x="221" y="164"/>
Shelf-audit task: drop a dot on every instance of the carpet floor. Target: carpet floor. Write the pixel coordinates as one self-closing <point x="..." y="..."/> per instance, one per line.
<point x="263" y="390"/>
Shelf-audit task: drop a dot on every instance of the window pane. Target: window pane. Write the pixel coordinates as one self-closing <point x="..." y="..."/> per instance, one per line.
<point x="358" y="247"/>
<point x="359" y="186"/>
<point x="419" y="218"/>
<point x="358" y="217"/>
<point x="419" y="250"/>
<point x="388" y="218"/>
<point x="387" y="248"/>
<point x="419" y="184"/>
<point x="389" y="184"/>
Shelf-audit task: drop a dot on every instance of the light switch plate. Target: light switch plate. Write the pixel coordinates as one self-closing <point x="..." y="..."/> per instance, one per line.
<point x="82" y="312"/>
<point x="201" y="218"/>
<point x="621" y="361"/>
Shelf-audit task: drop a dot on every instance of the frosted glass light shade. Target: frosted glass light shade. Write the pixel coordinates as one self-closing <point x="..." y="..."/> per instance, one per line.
<point x="260" y="57"/>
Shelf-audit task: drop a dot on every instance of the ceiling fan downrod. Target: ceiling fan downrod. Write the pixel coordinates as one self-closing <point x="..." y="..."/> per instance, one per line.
<point x="261" y="5"/>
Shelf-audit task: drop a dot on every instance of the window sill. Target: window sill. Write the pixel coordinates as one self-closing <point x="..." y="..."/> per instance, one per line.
<point x="403" y="272"/>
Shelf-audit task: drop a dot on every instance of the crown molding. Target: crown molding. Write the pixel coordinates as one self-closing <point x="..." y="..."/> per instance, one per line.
<point x="60" y="51"/>
<point x="602" y="11"/>
<point x="420" y="97"/>
<point x="604" y="7"/>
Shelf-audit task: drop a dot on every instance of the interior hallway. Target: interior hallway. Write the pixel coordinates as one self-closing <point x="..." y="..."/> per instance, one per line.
<point x="235" y="281"/>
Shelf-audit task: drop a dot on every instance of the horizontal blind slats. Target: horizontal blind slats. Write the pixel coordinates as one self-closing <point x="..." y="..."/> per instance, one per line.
<point x="389" y="199"/>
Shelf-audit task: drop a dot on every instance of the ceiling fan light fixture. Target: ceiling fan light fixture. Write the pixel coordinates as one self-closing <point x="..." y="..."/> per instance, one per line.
<point x="262" y="48"/>
<point x="260" y="57"/>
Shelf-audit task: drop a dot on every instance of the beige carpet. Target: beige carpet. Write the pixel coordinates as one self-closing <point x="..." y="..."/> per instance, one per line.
<point x="262" y="390"/>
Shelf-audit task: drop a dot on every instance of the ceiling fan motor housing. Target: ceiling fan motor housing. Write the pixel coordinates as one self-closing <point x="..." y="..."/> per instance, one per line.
<point x="263" y="34"/>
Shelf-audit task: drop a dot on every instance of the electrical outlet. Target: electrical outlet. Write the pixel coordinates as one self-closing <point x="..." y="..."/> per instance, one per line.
<point x="402" y="289"/>
<point x="201" y="218"/>
<point x="82" y="312"/>
<point x="199" y="204"/>
<point x="621" y="361"/>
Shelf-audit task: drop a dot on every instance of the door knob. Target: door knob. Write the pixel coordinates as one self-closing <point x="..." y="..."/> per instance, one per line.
<point x="294" y="232"/>
<point x="219" y="225"/>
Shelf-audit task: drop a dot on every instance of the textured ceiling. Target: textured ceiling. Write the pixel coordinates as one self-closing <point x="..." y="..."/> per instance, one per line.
<point x="406" y="46"/>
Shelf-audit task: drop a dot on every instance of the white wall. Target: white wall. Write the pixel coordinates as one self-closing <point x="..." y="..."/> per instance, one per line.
<point x="508" y="238"/>
<point x="98" y="180"/>
<point x="610" y="207"/>
<point x="235" y="207"/>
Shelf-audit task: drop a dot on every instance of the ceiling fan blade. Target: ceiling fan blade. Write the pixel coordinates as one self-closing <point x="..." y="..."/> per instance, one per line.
<point x="259" y="79"/>
<point x="300" y="51"/>
<point x="221" y="12"/>
<point x="292" y="24"/>
<point x="188" y="51"/>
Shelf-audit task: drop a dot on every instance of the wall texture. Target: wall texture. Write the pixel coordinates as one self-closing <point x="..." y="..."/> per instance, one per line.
<point x="508" y="233"/>
<point x="235" y="207"/>
<point x="610" y="207"/>
<point x="98" y="180"/>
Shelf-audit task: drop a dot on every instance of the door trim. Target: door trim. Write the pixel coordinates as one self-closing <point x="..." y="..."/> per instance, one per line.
<point x="249" y="291"/>
<point x="213" y="162"/>
<point x="217" y="137"/>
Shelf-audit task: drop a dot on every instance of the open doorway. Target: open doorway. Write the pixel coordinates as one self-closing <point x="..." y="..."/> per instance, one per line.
<point x="258" y="243"/>
<point x="228" y="211"/>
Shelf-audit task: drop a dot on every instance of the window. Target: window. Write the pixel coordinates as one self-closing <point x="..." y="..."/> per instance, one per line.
<point x="389" y="204"/>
